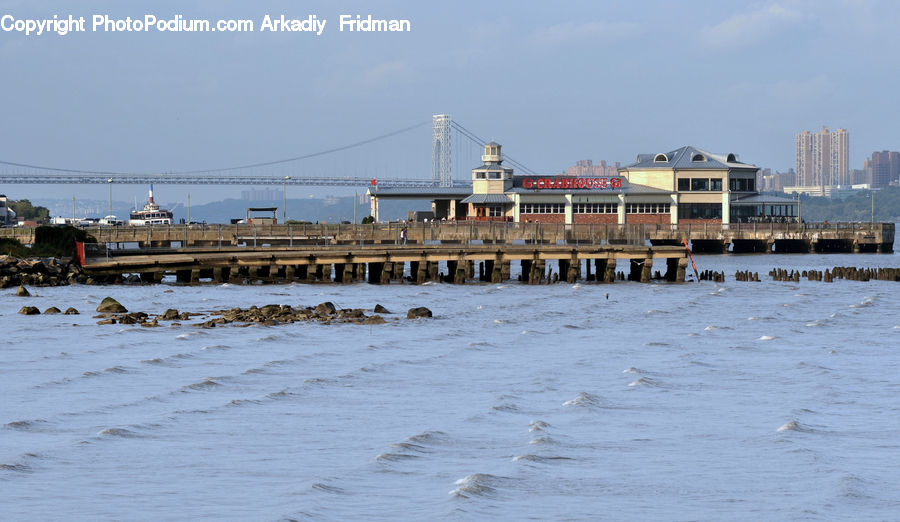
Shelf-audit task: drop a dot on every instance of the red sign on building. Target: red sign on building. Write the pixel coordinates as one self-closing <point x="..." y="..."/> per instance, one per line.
<point x="570" y="183"/>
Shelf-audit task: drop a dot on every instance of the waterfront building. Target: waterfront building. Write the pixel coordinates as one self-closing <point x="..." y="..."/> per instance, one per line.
<point x="686" y="185"/>
<point x="7" y="215"/>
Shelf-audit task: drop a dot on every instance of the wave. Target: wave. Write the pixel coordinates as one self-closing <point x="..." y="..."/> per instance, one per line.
<point x="478" y="485"/>
<point x="206" y="384"/>
<point x="26" y="425"/>
<point x="768" y="338"/>
<point x="325" y="488"/>
<point x="539" y="458"/>
<point x="583" y="399"/>
<point x="632" y="370"/>
<point x="506" y="407"/>
<point x="395" y="457"/>
<point x="794" y="426"/>
<point x="429" y="437"/>
<point x="217" y="347"/>
<point x="538" y="425"/>
<point x="118" y="432"/>
<point x="186" y="336"/>
<point x="544" y="439"/>
<point x="642" y="381"/>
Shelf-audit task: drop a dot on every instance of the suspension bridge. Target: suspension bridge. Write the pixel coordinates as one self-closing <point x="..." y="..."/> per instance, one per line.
<point x="455" y="150"/>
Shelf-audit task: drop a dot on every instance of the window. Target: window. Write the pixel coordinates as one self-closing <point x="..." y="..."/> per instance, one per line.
<point x="493" y="175"/>
<point x="661" y="158"/>
<point x="542" y="208"/>
<point x="700" y="211"/>
<point x="699" y="184"/>
<point x="698" y="157"/>
<point x="715" y="184"/>
<point x="479" y="175"/>
<point x="731" y="158"/>
<point x="684" y="184"/>
<point x="495" y="211"/>
<point x="742" y="184"/>
<point x="595" y="208"/>
<point x="647" y="208"/>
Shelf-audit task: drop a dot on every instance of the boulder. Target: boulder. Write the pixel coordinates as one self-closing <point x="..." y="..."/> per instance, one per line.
<point x="380" y="309"/>
<point x="170" y="315"/>
<point x="111" y="306"/>
<point x="22" y="292"/>
<point x="29" y="310"/>
<point x="52" y="310"/>
<point x="70" y="311"/>
<point x="107" y="321"/>
<point x="419" y="311"/>
<point x="326" y="308"/>
<point x="375" y="319"/>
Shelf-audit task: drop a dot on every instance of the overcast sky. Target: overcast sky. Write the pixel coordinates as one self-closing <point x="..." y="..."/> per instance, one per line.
<point x="553" y="82"/>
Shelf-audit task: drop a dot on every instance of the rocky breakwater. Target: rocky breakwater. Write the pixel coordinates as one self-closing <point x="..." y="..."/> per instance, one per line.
<point x="110" y="311"/>
<point x="48" y="271"/>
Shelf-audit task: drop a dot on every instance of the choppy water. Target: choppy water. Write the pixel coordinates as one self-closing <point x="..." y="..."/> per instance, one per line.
<point x="697" y="401"/>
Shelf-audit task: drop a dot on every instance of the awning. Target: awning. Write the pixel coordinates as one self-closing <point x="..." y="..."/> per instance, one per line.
<point x="488" y="198"/>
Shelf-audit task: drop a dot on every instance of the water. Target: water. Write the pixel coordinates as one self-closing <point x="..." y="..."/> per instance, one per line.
<point x="766" y="400"/>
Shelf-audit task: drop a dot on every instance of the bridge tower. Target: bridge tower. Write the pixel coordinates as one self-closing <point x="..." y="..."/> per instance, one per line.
<point x="441" y="148"/>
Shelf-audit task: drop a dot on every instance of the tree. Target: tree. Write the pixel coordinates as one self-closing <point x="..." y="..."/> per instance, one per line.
<point x="26" y="211"/>
<point x="368" y="219"/>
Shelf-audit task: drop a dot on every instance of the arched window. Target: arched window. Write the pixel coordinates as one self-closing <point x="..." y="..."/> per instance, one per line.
<point x="731" y="158"/>
<point x="661" y="158"/>
<point x="698" y="157"/>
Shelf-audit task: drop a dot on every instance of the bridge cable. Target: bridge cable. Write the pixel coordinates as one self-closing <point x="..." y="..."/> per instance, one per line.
<point x="210" y="171"/>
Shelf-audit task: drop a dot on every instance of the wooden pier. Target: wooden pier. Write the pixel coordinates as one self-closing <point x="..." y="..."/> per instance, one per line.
<point x="382" y="264"/>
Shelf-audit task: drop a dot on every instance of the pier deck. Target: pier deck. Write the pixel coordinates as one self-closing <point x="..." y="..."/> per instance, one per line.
<point x="384" y="263"/>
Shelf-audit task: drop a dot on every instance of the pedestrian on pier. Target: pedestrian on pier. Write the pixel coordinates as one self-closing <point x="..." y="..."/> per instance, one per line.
<point x="403" y="234"/>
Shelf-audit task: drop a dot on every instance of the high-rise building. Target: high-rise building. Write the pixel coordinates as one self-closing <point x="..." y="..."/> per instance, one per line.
<point x="885" y="168"/>
<point x="587" y="168"/>
<point x="823" y="158"/>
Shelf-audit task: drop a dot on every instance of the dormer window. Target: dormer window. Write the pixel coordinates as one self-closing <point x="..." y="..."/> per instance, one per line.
<point x="731" y="158"/>
<point x="698" y="157"/>
<point x="661" y="158"/>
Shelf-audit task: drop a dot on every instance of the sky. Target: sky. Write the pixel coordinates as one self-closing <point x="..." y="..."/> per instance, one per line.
<point x="553" y="82"/>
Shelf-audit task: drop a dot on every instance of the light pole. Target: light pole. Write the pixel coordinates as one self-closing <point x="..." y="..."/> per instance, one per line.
<point x="110" y="182"/>
<point x="189" y="208"/>
<point x="873" y="208"/>
<point x="284" y="199"/>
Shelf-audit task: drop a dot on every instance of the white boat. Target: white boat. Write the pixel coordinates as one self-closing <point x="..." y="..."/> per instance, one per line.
<point x="151" y="214"/>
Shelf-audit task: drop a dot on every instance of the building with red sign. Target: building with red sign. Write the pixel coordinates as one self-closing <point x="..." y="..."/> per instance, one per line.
<point x="687" y="185"/>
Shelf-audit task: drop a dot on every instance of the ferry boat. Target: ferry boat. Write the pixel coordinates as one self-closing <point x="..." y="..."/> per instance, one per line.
<point x="151" y="214"/>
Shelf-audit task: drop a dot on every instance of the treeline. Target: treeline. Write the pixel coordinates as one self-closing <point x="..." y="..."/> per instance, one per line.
<point x="857" y="207"/>
<point x="26" y="211"/>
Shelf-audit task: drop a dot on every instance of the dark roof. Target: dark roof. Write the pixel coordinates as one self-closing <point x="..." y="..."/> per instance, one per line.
<point x="688" y="157"/>
<point x="493" y="166"/>
<point x="763" y="199"/>
<point x="487" y="198"/>
<point x="492" y="144"/>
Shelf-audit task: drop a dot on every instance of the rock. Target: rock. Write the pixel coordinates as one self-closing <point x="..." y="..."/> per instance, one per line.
<point x="70" y="311"/>
<point x="22" y="292"/>
<point x="29" y="310"/>
<point x="326" y="308"/>
<point x="51" y="310"/>
<point x="107" y="321"/>
<point x="380" y="309"/>
<point x="375" y="319"/>
<point x="111" y="306"/>
<point x="170" y="315"/>
<point x="419" y="311"/>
